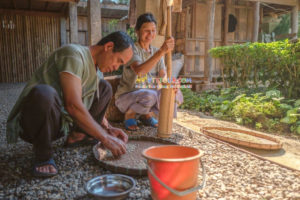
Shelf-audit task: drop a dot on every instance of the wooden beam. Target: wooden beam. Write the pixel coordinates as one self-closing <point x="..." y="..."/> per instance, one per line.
<point x="46" y="6"/>
<point x="94" y="21"/>
<point x="295" y="21"/>
<point x="64" y="7"/>
<point x="30" y="13"/>
<point x="14" y="4"/>
<point x="63" y="31"/>
<point x="29" y="4"/>
<point x="280" y="2"/>
<point x="73" y="23"/>
<point x="226" y="21"/>
<point x="208" y="69"/>
<point x="256" y="20"/>
<point x="286" y="36"/>
<point x="60" y="1"/>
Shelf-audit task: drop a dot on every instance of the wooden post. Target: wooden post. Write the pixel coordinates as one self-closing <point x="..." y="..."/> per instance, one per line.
<point x="73" y="22"/>
<point x="166" y="112"/>
<point x="256" y="19"/>
<point x="63" y="31"/>
<point x="208" y="70"/>
<point x="226" y="22"/>
<point x="94" y="21"/>
<point x="295" y="22"/>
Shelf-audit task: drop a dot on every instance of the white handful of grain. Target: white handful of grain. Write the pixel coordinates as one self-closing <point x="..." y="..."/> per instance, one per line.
<point x="105" y="154"/>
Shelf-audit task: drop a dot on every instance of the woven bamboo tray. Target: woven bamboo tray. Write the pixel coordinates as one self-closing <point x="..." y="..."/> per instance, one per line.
<point x="265" y="142"/>
<point x="132" y="163"/>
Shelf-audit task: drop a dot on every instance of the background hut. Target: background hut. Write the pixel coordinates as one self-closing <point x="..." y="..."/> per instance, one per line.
<point x="204" y="24"/>
<point x="113" y="18"/>
<point x="31" y="30"/>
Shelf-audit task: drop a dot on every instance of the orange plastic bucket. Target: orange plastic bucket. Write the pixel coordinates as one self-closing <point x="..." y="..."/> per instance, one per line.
<point x="173" y="172"/>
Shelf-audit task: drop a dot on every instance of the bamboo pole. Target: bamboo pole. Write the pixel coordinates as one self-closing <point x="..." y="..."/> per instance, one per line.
<point x="33" y="50"/>
<point x="19" y="48"/>
<point x="28" y="47"/>
<point x="12" y="53"/>
<point x="167" y="99"/>
<point x="3" y="52"/>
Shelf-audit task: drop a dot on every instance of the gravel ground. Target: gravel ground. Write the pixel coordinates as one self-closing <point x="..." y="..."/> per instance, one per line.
<point x="231" y="174"/>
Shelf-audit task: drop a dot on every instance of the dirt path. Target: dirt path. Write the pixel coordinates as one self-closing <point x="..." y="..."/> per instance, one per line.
<point x="288" y="156"/>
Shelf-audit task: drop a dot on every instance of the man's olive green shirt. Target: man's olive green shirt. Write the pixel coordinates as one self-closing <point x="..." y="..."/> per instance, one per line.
<point x="74" y="59"/>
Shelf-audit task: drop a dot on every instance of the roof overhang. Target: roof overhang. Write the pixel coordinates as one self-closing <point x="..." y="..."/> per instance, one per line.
<point x="60" y="1"/>
<point x="279" y="2"/>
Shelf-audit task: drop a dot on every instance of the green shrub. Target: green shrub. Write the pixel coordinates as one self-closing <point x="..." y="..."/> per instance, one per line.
<point x="274" y="65"/>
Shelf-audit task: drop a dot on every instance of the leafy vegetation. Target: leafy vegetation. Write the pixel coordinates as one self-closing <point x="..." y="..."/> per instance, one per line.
<point x="131" y="32"/>
<point x="273" y="65"/>
<point x="284" y="26"/>
<point x="259" y="108"/>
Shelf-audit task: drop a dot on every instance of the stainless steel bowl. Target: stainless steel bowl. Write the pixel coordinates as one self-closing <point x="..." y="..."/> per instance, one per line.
<point x="110" y="186"/>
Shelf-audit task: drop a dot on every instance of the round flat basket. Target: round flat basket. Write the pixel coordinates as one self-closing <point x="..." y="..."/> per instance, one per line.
<point x="243" y="138"/>
<point x="131" y="163"/>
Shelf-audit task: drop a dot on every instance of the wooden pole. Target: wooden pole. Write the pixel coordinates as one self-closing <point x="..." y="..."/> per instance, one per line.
<point x="226" y="22"/>
<point x="63" y="31"/>
<point x="208" y="70"/>
<point x="295" y="22"/>
<point x="73" y="23"/>
<point x="166" y="112"/>
<point x="256" y="18"/>
<point x="94" y="21"/>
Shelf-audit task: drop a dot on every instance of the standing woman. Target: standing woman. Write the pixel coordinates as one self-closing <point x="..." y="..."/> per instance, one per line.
<point x="147" y="63"/>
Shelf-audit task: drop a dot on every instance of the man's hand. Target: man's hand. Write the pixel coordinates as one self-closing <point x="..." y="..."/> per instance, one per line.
<point x="115" y="145"/>
<point x="119" y="133"/>
<point x="105" y="123"/>
<point x="72" y="90"/>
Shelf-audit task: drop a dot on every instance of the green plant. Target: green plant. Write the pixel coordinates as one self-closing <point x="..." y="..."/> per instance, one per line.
<point x="272" y="65"/>
<point x="260" y="108"/>
<point x="112" y="24"/>
<point x="131" y="32"/>
<point x="292" y="117"/>
<point x="284" y="25"/>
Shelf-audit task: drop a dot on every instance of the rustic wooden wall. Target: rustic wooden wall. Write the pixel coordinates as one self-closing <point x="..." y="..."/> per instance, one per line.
<point x="105" y="27"/>
<point x="25" y="42"/>
<point x="191" y="34"/>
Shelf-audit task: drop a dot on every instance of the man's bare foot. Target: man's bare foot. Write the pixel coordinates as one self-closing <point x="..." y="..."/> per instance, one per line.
<point x="75" y="137"/>
<point x="46" y="169"/>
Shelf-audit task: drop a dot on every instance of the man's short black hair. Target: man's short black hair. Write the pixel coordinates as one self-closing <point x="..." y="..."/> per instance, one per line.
<point x="120" y="39"/>
<point x="144" y="18"/>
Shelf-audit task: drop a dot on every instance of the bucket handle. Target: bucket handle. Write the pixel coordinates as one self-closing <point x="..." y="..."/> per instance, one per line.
<point x="185" y="192"/>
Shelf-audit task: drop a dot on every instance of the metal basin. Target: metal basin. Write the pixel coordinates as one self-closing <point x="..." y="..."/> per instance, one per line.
<point x="110" y="186"/>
